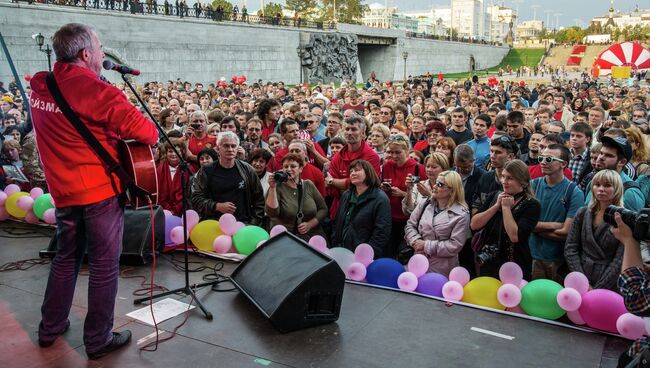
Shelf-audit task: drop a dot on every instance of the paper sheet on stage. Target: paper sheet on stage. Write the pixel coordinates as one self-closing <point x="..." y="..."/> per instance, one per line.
<point x="163" y="310"/>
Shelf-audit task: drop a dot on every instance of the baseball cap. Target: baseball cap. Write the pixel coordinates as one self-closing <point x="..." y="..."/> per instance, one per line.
<point x="621" y="144"/>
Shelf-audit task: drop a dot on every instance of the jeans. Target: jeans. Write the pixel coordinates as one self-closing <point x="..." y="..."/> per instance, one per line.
<point x="97" y="227"/>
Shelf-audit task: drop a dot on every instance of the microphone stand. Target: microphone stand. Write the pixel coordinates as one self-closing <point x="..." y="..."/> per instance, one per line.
<point x="185" y="172"/>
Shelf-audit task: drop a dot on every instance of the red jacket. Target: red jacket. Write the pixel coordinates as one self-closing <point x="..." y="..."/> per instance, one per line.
<point x="397" y="176"/>
<point x="340" y="165"/>
<point x="311" y="172"/>
<point x="170" y="191"/>
<point x="75" y="174"/>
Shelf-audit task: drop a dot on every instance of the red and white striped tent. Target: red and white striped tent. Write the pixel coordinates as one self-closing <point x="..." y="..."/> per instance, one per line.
<point x="628" y="53"/>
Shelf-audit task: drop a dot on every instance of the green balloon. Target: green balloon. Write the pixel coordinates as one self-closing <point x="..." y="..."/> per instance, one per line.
<point x="41" y="204"/>
<point x="539" y="299"/>
<point x="247" y="238"/>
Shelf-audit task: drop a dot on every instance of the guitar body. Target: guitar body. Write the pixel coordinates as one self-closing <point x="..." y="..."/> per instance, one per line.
<point x="138" y="161"/>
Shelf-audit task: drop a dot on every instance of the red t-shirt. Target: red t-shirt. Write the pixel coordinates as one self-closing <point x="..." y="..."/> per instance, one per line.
<point x="267" y="130"/>
<point x="397" y="176"/>
<point x="311" y="173"/>
<point x="536" y="172"/>
<point x="195" y="145"/>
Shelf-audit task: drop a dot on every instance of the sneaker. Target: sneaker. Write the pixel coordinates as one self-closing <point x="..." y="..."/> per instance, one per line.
<point x="119" y="339"/>
<point x="47" y="344"/>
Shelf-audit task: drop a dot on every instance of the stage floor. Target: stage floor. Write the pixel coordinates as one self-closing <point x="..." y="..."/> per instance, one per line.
<point x="376" y="328"/>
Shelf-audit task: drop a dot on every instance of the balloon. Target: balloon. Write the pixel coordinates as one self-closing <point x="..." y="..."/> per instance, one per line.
<point x="222" y="243"/>
<point x="31" y="218"/>
<point x="646" y="321"/>
<point x="243" y="77"/>
<point x="630" y="326"/>
<point x="483" y="291"/>
<point x="539" y="299"/>
<point x="569" y="299"/>
<point x="204" y="233"/>
<point x="516" y="309"/>
<point x="247" y="238"/>
<point x="11" y="204"/>
<point x="239" y="225"/>
<point x="577" y="280"/>
<point x="41" y="204"/>
<point x="452" y="290"/>
<point x="3" y="213"/>
<point x="343" y="256"/>
<point x="522" y="284"/>
<point x="407" y="281"/>
<point x="170" y="223"/>
<point x="3" y="197"/>
<point x="509" y="295"/>
<point x="418" y="264"/>
<point x="25" y="203"/>
<point x="384" y="272"/>
<point x="176" y="235"/>
<point x="36" y="192"/>
<point x="52" y="202"/>
<point x="49" y="216"/>
<point x="277" y="229"/>
<point x="192" y="218"/>
<point x="11" y="189"/>
<point x="511" y="273"/>
<point x="260" y="244"/>
<point x="460" y="275"/>
<point x="575" y="317"/>
<point x="319" y="243"/>
<point x="431" y="284"/>
<point x="168" y="213"/>
<point x="364" y="254"/>
<point x="601" y="308"/>
<point x="356" y="271"/>
<point x="227" y="223"/>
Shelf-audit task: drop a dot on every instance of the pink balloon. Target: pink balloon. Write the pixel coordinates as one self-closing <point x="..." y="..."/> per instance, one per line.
<point x="575" y="317"/>
<point x="511" y="273"/>
<point x="418" y="265"/>
<point x="516" y="309"/>
<point x="364" y="254"/>
<point x="239" y="225"/>
<point x="3" y="213"/>
<point x="192" y="219"/>
<point x="452" y="290"/>
<point x="176" y="235"/>
<point x="522" y="284"/>
<point x="356" y="271"/>
<point x="509" y="295"/>
<point x="49" y="216"/>
<point x="319" y="243"/>
<point x="52" y="201"/>
<point x="569" y="299"/>
<point x="460" y="275"/>
<point x="168" y="213"/>
<point x="407" y="281"/>
<point x="577" y="280"/>
<point x="260" y="244"/>
<point x="601" y="308"/>
<point x="3" y="198"/>
<point x="630" y="326"/>
<point x="25" y="203"/>
<point x="36" y="192"/>
<point x="11" y="189"/>
<point x="31" y="218"/>
<point x="222" y="243"/>
<point x="227" y="223"/>
<point x="277" y="229"/>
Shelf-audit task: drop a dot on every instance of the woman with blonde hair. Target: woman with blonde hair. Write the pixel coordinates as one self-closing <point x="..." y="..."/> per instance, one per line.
<point x="639" y="151"/>
<point x="379" y="134"/>
<point x="437" y="227"/>
<point x="591" y="248"/>
<point x="422" y="188"/>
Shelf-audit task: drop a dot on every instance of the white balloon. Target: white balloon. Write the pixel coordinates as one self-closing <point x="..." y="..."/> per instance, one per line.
<point x="343" y="256"/>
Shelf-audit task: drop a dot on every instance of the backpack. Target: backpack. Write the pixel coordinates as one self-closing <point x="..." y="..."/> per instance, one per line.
<point x="643" y="183"/>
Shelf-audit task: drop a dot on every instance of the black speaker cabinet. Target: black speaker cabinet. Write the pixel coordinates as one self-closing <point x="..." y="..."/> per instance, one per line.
<point x="292" y="284"/>
<point x="136" y="240"/>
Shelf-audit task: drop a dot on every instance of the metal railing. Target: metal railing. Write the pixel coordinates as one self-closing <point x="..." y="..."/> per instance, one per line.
<point x="182" y="10"/>
<point x="454" y="39"/>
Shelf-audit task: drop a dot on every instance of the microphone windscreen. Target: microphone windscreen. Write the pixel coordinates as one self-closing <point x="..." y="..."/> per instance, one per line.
<point x="107" y="64"/>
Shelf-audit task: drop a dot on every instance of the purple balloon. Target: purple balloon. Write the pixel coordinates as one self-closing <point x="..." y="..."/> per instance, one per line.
<point x="431" y="284"/>
<point x="170" y="223"/>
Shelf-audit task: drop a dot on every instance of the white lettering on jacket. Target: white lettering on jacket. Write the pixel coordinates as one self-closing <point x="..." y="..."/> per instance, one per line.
<point x="39" y="104"/>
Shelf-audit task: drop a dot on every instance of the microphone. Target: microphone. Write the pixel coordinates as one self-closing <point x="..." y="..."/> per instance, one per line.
<point x="122" y="69"/>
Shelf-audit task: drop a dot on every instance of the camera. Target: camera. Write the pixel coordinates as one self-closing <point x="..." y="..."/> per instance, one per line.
<point x="280" y="176"/>
<point x="196" y="126"/>
<point x="415" y="179"/>
<point x="487" y="253"/>
<point x="639" y="222"/>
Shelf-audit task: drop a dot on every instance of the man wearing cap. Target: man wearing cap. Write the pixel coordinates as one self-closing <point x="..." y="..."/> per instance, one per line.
<point x="615" y="153"/>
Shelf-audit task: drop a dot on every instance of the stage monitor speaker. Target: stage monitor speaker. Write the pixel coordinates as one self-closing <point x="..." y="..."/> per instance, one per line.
<point x="136" y="240"/>
<point x="292" y="284"/>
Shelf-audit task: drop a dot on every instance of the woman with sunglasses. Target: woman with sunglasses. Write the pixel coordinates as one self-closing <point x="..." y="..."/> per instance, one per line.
<point x="506" y="219"/>
<point x="437" y="227"/>
<point x="591" y="248"/>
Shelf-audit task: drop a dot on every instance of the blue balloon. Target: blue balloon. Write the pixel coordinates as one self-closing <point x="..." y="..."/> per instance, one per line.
<point x="170" y="223"/>
<point x="431" y="284"/>
<point x="384" y="272"/>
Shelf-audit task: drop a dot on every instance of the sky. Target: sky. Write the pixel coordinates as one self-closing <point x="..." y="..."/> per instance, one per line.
<point x="571" y="12"/>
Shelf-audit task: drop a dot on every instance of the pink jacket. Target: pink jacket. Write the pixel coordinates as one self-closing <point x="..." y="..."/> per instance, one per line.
<point x="444" y="235"/>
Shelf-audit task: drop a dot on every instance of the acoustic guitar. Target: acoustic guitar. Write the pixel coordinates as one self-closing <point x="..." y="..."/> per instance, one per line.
<point x="137" y="159"/>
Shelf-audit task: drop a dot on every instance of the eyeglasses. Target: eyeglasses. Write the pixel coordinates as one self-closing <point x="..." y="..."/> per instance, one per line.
<point x="548" y="159"/>
<point x="440" y="184"/>
<point x="385" y="113"/>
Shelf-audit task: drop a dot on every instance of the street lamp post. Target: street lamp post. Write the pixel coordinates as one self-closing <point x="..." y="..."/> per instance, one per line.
<point x="405" y="55"/>
<point x="40" y="41"/>
<point x="299" y="51"/>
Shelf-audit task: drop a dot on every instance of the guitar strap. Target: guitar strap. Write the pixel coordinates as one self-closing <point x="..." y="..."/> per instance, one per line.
<point x="114" y="167"/>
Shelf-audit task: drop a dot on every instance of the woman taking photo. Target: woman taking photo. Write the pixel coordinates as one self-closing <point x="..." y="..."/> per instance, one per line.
<point x="507" y="219"/>
<point x="295" y="203"/>
<point x="434" y="164"/>
<point x="437" y="227"/>
<point x="591" y="248"/>
<point x="363" y="215"/>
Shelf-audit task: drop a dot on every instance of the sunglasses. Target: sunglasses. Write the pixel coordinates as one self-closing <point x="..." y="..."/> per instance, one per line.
<point x="397" y="137"/>
<point x="440" y="184"/>
<point x="548" y="159"/>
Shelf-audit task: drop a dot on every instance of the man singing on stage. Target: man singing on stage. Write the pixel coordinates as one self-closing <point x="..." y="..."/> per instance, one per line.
<point x="89" y="202"/>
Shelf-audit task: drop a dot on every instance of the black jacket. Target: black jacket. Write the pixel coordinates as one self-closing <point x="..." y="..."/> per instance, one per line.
<point x="370" y="222"/>
<point x="471" y="185"/>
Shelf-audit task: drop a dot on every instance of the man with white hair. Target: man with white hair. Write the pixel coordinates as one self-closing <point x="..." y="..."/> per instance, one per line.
<point x="228" y="185"/>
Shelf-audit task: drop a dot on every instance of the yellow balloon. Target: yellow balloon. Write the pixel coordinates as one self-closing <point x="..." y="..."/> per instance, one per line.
<point x="483" y="291"/>
<point x="11" y="205"/>
<point x="204" y="233"/>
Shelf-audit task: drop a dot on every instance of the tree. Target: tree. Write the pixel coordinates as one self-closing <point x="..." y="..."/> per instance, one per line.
<point x="271" y="9"/>
<point x="304" y="8"/>
<point x="227" y="7"/>
<point x="347" y="11"/>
